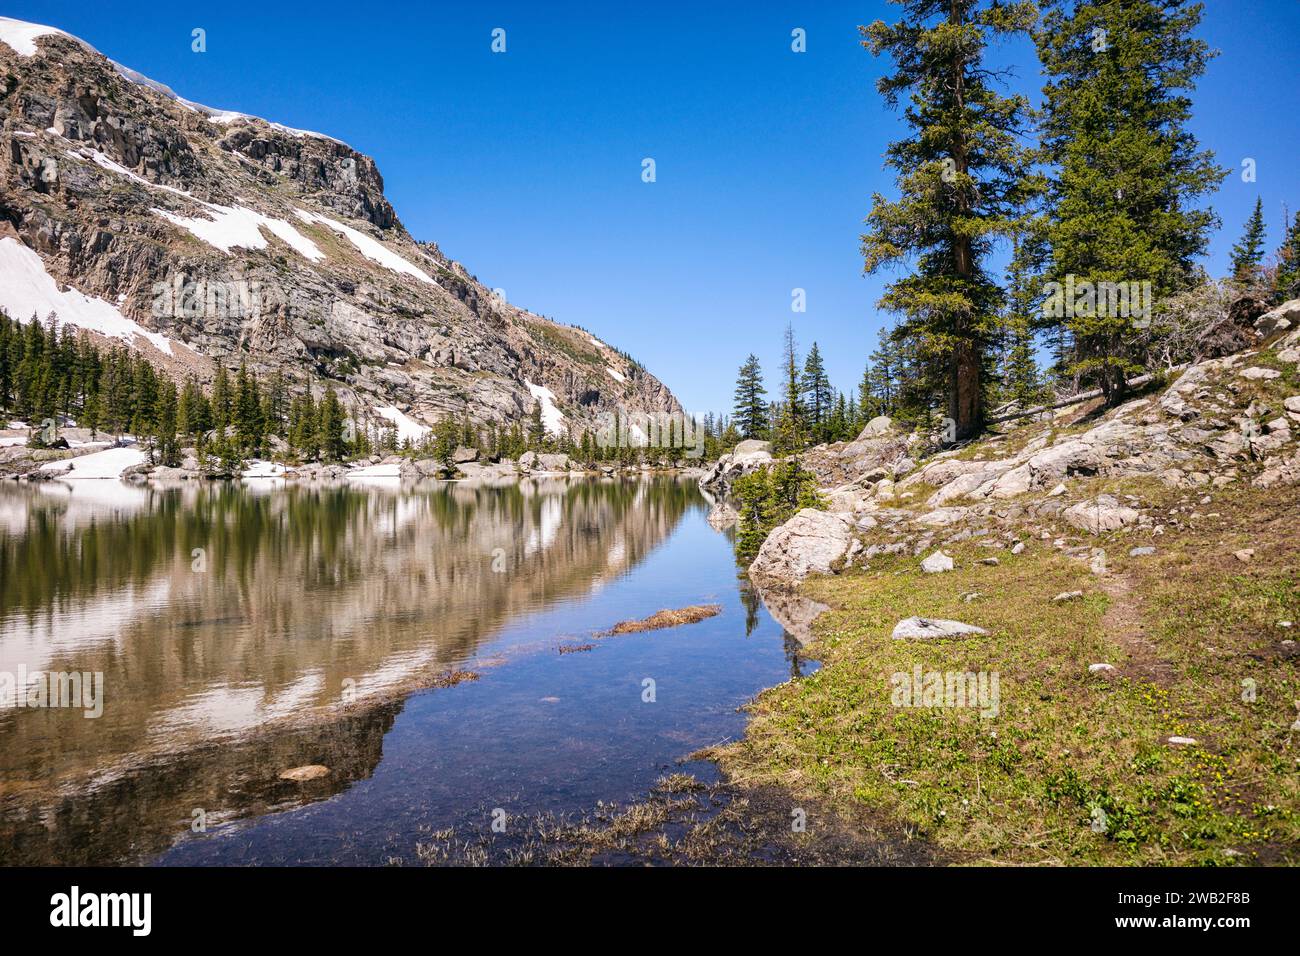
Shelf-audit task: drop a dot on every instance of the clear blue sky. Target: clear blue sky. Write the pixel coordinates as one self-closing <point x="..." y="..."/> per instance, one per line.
<point x="526" y="166"/>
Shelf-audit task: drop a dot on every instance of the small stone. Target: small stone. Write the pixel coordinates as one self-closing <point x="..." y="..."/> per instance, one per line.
<point x="937" y="563"/>
<point x="1101" y="668"/>
<point x="311" y="771"/>
<point x="1018" y="548"/>
<point x="1057" y="491"/>
<point x="928" y="628"/>
<point x="972" y="595"/>
<point x="1183" y="741"/>
<point x="1244" y="555"/>
<point x="1141" y="552"/>
<point x="1068" y="596"/>
<point x="992" y="562"/>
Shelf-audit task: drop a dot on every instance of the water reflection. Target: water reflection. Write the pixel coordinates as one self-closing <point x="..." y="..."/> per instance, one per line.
<point x="241" y="630"/>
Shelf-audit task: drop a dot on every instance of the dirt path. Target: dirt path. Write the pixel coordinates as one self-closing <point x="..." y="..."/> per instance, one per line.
<point x="1123" y="624"/>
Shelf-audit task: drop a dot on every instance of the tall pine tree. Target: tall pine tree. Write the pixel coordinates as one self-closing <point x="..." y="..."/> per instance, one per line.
<point x="1126" y="170"/>
<point x="749" y="409"/>
<point x="961" y="177"/>
<point x="1248" y="254"/>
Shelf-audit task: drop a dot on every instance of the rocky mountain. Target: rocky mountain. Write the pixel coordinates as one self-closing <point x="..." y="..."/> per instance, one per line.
<point x="203" y="236"/>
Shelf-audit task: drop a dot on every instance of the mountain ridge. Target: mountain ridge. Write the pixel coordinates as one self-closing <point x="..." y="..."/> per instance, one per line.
<point x="222" y="237"/>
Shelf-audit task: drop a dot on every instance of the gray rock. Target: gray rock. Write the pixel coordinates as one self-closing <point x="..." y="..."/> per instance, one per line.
<point x="1068" y="596"/>
<point x="1286" y="316"/>
<point x="812" y="542"/>
<point x="1144" y="552"/>
<point x="925" y="628"/>
<point x="751" y="445"/>
<point x="1101" y="515"/>
<point x="937" y="563"/>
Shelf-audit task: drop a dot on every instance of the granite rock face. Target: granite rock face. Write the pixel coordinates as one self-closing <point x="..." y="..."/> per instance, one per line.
<point x="219" y="237"/>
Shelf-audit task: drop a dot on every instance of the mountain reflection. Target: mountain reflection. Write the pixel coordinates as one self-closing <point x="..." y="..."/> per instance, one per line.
<point x="242" y="630"/>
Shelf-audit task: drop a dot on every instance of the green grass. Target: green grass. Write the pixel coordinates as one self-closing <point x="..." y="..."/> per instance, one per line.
<point x="1067" y="746"/>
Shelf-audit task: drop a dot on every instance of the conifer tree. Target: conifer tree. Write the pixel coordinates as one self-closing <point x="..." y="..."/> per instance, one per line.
<point x="1126" y="172"/>
<point x="1248" y="254"/>
<point x="749" y="409"/>
<point x="789" y="429"/>
<point x="961" y="175"/>
<point x="1286" y="279"/>
<point x="816" y="393"/>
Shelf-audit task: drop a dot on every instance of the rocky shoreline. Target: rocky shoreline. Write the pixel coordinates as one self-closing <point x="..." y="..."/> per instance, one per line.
<point x="79" y="451"/>
<point x="1231" y="419"/>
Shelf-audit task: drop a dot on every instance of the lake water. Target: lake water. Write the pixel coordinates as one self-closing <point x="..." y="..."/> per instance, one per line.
<point x="242" y="630"/>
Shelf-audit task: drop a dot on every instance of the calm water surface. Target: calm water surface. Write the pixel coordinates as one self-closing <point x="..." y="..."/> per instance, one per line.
<point x="245" y="630"/>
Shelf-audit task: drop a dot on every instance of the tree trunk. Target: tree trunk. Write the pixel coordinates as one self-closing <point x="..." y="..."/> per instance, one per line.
<point x="965" y="402"/>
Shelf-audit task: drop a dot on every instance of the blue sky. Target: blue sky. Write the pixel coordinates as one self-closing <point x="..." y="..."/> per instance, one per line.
<point x="526" y="166"/>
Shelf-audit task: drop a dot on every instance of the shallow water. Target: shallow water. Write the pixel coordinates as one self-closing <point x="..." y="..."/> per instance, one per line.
<point x="245" y="630"/>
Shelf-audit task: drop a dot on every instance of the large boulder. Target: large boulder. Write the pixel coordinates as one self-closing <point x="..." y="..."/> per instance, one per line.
<point x="463" y="454"/>
<point x="812" y="542"/>
<point x="1102" y="514"/>
<point x="533" y="461"/>
<point x="751" y="445"/>
<point x="878" y="427"/>
<point x="1285" y="317"/>
<point x="727" y="469"/>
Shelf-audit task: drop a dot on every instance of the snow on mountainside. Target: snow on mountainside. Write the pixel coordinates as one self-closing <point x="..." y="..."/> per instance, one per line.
<point x="200" y="236"/>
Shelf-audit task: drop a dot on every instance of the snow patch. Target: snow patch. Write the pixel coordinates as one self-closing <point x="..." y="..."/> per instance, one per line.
<point x="101" y="464"/>
<point x="407" y="427"/>
<point x="615" y="374"/>
<point x="26" y="288"/>
<point x="263" y="469"/>
<point x="552" y="417"/>
<point x="377" y="471"/>
<point x="231" y="226"/>
<point x="21" y="37"/>
<point x="104" y="162"/>
<point x="368" y="247"/>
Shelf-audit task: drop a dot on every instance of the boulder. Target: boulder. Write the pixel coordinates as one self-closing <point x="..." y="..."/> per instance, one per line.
<point x="925" y="628"/>
<point x="751" y="445"/>
<point x="727" y="469"/>
<point x="937" y="563"/>
<point x="1101" y="515"/>
<point x="463" y="454"/>
<point x="1285" y="317"/>
<point x="878" y="427"/>
<point x="812" y="542"/>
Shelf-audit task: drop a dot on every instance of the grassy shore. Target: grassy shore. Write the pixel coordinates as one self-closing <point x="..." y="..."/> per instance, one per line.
<point x="1076" y="768"/>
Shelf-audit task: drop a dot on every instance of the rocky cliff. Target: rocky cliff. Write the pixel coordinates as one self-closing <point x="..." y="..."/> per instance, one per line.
<point x="202" y="236"/>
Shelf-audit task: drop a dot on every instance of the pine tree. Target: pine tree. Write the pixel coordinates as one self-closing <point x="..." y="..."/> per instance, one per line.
<point x="166" y="448"/>
<point x="1286" y="280"/>
<point x="789" y="429"/>
<point x="222" y="402"/>
<point x="750" y="406"/>
<point x="816" y="393"/>
<point x="961" y="176"/>
<point x="1127" y="170"/>
<point x="1248" y="254"/>
<point x="331" y="426"/>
